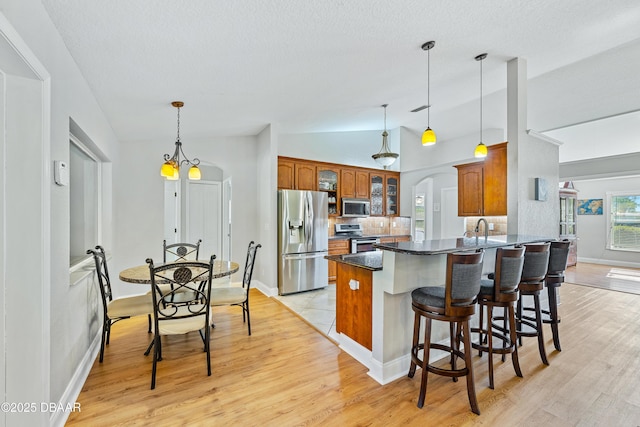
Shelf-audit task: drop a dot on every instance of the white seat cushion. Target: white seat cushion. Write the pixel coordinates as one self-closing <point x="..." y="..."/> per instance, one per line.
<point x="182" y="326"/>
<point x="130" y="306"/>
<point x="228" y="295"/>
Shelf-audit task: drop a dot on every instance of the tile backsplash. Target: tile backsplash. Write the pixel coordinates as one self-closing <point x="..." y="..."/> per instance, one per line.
<point x="499" y="224"/>
<point x="376" y="225"/>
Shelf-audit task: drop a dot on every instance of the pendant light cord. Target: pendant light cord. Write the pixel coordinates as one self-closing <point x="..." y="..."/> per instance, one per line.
<point x="429" y="88"/>
<point x="385" y="117"/>
<point x="178" y="137"/>
<point x="481" y="100"/>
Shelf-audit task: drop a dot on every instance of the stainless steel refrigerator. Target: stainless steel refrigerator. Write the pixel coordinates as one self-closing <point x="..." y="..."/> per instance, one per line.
<point x="303" y="240"/>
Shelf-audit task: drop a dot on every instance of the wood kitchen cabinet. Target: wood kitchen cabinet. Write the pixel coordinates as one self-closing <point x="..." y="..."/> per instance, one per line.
<point x="392" y="195"/>
<point x="354" y="300"/>
<point x="385" y="193"/>
<point x="382" y="188"/>
<point x="355" y="183"/>
<point x="395" y="239"/>
<point x="329" y="181"/>
<point x="482" y="186"/>
<point x="336" y="247"/>
<point x="348" y="181"/>
<point x="286" y="174"/>
<point x="470" y="189"/>
<point x="296" y="175"/>
<point x="305" y="176"/>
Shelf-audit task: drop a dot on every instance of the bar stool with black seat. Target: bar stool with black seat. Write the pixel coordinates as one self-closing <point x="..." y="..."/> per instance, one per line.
<point x="454" y="303"/>
<point x="558" y="255"/>
<point x="536" y="261"/>
<point x="501" y="291"/>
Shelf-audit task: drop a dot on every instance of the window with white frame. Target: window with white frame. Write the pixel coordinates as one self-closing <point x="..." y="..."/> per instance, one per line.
<point x="84" y="201"/>
<point x="623" y="221"/>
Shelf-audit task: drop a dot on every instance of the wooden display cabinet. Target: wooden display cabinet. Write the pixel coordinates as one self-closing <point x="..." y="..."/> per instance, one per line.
<point x="384" y="193"/>
<point x="568" y="213"/>
<point x="329" y="181"/>
<point x="392" y="195"/>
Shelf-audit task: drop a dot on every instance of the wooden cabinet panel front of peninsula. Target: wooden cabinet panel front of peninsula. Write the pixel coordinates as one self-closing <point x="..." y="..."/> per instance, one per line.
<point x="336" y="247"/>
<point x="354" y="306"/>
<point x="352" y="182"/>
<point x="482" y="186"/>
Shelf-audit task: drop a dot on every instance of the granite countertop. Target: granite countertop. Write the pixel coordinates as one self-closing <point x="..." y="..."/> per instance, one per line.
<point x="443" y="246"/>
<point x="367" y="260"/>
<point x="368" y="235"/>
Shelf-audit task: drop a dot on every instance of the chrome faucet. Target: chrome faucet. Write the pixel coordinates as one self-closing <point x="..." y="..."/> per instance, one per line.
<point x="486" y="229"/>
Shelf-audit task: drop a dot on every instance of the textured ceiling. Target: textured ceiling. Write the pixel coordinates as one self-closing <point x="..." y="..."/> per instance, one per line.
<point x="328" y="65"/>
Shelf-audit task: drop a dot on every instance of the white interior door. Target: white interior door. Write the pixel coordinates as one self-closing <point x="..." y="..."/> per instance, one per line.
<point x="171" y="211"/>
<point x="204" y="216"/>
<point x="226" y="219"/>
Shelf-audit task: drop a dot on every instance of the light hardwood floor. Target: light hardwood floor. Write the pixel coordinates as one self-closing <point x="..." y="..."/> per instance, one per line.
<point x="288" y="374"/>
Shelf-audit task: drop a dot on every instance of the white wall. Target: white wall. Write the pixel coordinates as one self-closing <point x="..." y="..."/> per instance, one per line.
<point x="67" y="307"/>
<point x="265" y="270"/>
<point x="592" y="229"/>
<point x="345" y="148"/>
<point x="139" y="193"/>
<point x="536" y="159"/>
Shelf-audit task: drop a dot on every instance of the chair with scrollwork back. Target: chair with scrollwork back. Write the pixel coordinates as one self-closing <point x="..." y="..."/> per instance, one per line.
<point x="116" y="309"/>
<point x="238" y="293"/>
<point x="182" y="307"/>
<point x="180" y="251"/>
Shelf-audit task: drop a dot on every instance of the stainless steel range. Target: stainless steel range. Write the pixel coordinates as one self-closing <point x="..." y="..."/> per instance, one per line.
<point x="359" y="243"/>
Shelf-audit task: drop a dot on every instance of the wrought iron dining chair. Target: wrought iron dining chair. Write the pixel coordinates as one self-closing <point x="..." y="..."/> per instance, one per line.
<point x="238" y="293"/>
<point x="117" y="309"/>
<point x="183" y="307"/>
<point x="180" y="251"/>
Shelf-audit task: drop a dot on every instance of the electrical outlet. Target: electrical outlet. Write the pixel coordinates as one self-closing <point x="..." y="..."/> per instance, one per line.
<point x="490" y="226"/>
<point x="381" y="224"/>
<point x="394" y="223"/>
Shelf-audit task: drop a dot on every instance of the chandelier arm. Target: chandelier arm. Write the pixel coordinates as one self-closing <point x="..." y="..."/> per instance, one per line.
<point x="194" y="162"/>
<point x="176" y="154"/>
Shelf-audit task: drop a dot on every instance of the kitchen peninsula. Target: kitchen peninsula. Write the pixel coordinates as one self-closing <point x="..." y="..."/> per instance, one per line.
<point x="374" y="319"/>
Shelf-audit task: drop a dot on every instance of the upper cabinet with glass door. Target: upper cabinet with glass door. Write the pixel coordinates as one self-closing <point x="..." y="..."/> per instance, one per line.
<point x="328" y="181"/>
<point x="392" y="195"/>
<point x="385" y="195"/>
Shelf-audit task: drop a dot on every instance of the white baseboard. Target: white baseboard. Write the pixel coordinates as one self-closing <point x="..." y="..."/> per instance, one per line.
<point x="71" y="393"/>
<point x="609" y="262"/>
<point x="267" y="290"/>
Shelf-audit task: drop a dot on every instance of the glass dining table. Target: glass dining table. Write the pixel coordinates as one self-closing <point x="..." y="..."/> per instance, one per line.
<point x="140" y="274"/>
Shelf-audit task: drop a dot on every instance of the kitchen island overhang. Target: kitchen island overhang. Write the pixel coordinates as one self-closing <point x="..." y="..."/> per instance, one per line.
<point x="395" y="271"/>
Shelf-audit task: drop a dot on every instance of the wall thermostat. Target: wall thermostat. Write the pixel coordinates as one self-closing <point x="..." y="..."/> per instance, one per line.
<point x="60" y="172"/>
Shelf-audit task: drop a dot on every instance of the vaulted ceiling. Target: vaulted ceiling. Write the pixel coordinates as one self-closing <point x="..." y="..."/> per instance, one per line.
<point x="328" y="65"/>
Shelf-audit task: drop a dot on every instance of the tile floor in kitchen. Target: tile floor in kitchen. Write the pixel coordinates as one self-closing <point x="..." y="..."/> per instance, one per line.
<point x="318" y="307"/>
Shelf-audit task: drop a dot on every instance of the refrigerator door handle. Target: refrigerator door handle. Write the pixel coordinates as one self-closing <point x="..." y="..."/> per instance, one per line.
<point x="305" y="256"/>
<point x="308" y="220"/>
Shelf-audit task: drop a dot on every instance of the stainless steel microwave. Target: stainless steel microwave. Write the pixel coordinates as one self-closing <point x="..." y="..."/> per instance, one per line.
<point x="356" y="207"/>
